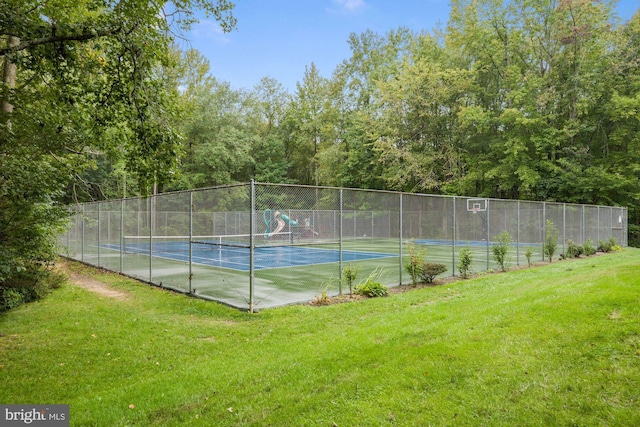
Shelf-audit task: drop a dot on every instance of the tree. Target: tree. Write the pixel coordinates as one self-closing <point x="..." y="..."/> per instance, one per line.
<point x="306" y="121"/>
<point x="82" y="81"/>
<point x="270" y="163"/>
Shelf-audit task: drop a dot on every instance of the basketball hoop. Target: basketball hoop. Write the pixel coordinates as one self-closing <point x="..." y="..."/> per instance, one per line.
<point x="477" y="205"/>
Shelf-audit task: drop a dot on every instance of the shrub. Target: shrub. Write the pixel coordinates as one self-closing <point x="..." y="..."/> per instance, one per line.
<point x="31" y="283"/>
<point x="431" y="270"/>
<point x="604" y="246"/>
<point x="371" y="288"/>
<point x="529" y="255"/>
<point x="550" y="240"/>
<point x="588" y="248"/>
<point x="349" y="274"/>
<point x="500" y="249"/>
<point x="415" y="263"/>
<point x="466" y="259"/>
<point x="573" y="250"/>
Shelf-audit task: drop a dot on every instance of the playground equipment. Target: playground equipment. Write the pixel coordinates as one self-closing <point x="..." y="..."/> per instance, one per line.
<point x="280" y="219"/>
<point x="276" y="221"/>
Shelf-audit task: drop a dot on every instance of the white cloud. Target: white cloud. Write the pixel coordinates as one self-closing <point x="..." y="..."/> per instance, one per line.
<point x="351" y="6"/>
<point x="210" y="30"/>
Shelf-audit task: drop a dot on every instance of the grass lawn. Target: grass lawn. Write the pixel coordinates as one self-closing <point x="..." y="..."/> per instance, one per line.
<point x="557" y="345"/>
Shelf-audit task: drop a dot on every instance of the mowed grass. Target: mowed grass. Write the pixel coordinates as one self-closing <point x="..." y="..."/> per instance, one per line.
<point x="557" y="345"/>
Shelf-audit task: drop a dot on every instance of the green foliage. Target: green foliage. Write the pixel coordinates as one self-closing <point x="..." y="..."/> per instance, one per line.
<point x="529" y="254"/>
<point x="88" y="94"/>
<point x="349" y="274"/>
<point x="589" y="248"/>
<point x="550" y="244"/>
<point x="415" y="263"/>
<point x="431" y="270"/>
<point x="465" y="261"/>
<point x="29" y="284"/>
<point x="500" y="249"/>
<point x="371" y="286"/>
<point x="271" y="359"/>
<point x="604" y="246"/>
<point x="574" y="250"/>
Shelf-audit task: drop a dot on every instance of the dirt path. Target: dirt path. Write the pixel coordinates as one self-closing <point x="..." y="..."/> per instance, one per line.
<point x="91" y="284"/>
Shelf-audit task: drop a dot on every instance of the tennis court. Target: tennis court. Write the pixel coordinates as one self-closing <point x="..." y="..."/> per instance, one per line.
<point x="234" y="256"/>
<point x="257" y="245"/>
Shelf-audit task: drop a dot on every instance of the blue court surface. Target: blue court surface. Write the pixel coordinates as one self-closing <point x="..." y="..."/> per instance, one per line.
<point x="265" y="257"/>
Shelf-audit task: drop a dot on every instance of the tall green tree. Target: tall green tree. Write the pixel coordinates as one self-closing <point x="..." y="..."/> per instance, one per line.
<point x="81" y="81"/>
<point x="268" y="153"/>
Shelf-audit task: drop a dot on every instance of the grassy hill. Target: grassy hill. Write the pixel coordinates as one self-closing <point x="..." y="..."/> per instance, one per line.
<point x="552" y="345"/>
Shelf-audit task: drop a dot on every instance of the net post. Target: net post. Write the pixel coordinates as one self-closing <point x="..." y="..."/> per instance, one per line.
<point x="251" y="243"/>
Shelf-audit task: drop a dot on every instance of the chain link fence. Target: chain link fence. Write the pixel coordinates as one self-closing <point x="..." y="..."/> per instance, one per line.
<point x="260" y="245"/>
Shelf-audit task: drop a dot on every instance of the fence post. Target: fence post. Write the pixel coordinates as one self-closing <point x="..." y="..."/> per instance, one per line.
<point x="564" y="228"/>
<point x="82" y="232"/>
<point x="400" y="232"/>
<point x="251" y="244"/>
<point x="340" y="246"/>
<point x="598" y="210"/>
<point x="544" y="226"/>
<point x="488" y="234"/>
<point x="583" y="225"/>
<point x="150" y="204"/>
<point x="190" y="241"/>
<point x="453" y="240"/>
<point x="99" y="229"/>
<point x="122" y="248"/>
<point x="518" y="233"/>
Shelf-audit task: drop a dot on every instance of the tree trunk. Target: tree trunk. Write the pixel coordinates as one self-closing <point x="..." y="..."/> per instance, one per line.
<point x="9" y="76"/>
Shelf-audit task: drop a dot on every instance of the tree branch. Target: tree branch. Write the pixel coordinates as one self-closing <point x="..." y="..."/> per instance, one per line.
<point x="27" y="44"/>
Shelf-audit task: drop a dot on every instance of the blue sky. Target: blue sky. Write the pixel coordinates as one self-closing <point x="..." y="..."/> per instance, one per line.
<point x="279" y="38"/>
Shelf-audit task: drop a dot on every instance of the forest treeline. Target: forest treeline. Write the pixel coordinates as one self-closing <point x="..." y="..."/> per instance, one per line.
<point x="535" y="100"/>
<point x="526" y="99"/>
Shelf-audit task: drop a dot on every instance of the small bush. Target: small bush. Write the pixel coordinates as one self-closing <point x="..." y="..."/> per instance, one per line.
<point x="415" y="262"/>
<point x="550" y="240"/>
<point x="573" y="250"/>
<point x="430" y="270"/>
<point x="466" y="259"/>
<point x="588" y="248"/>
<point x="32" y="283"/>
<point x="371" y="289"/>
<point x="529" y="255"/>
<point x="349" y="274"/>
<point x="604" y="246"/>
<point x="500" y="249"/>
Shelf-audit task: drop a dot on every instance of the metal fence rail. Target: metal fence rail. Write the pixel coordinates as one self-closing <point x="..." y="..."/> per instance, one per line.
<point x="260" y="245"/>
